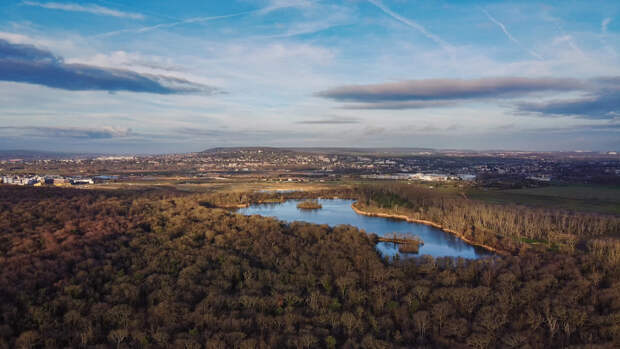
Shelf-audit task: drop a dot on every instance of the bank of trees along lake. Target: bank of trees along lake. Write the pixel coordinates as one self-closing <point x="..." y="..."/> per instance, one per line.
<point x="507" y="227"/>
<point x="167" y="270"/>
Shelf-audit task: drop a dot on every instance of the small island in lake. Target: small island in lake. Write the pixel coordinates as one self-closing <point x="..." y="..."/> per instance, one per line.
<point x="406" y="243"/>
<point x="409" y="247"/>
<point x="309" y="205"/>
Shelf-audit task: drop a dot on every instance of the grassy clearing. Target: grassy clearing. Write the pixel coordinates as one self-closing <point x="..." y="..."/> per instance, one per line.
<point x="309" y="205"/>
<point x="231" y="185"/>
<point x="589" y="198"/>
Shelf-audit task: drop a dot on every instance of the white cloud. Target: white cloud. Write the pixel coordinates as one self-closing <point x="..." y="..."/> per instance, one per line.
<point x="274" y="5"/>
<point x="130" y="60"/>
<point x="40" y="42"/>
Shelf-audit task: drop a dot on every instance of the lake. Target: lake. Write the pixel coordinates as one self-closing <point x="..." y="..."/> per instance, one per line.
<point x="437" y="243"/>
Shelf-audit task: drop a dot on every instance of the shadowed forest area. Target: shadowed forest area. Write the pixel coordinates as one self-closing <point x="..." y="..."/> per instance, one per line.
<point x="153" y="269"/>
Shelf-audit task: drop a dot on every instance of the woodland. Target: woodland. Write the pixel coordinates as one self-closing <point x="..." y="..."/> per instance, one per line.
<point x="167" y="269"/>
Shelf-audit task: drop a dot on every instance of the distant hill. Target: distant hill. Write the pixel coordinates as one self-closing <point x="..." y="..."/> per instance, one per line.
<point x="352" y="150"/>
<point x="323" y="150"/>
<point x="404" y="151"/>
<point x="239" y="149"/>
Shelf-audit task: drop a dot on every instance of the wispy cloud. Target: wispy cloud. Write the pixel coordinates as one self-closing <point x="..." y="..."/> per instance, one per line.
<point x="310" y="17"/>
<point x="331" y="121"/>
<point x="400" y="105"/>
<point x="608" y="126"/>
<point x="605" y="24"/>
<point x="569" y="40"/>
<point x="241" y="136"/>
<point x="331" y="16"/>
<point x="29" y="64"/>
<point x="282" y="4"/>
<point x="510" y="37"/>
<point x="87" y="8"/>
<point x="410" y="23"/>
<point x="327" y="20"/>
<point x="564" y="36"/>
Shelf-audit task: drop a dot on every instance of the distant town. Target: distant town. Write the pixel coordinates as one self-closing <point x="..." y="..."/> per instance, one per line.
<point x="298" y="164"/>
<point x="55" y="180"/>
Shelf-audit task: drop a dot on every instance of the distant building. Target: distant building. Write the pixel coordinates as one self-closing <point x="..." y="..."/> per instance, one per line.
<point x="431" y="177"/>
<point x="59" y="182"/>
<point x="387" y="176"/>
<point x="540" y="178"/>
<point x="467" y="177"/>
<point x="104" y="178"/>
<point x="82" y="181"/>
<point x="19" y="180"/>
<point x="6" y="180"/>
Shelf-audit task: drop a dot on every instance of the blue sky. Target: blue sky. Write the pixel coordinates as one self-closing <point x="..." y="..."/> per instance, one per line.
<point x="161" y="76"/>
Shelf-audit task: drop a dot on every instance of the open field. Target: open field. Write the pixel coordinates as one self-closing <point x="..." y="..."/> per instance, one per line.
<point x="590" y="198"/>
<point x="228" y="185"/>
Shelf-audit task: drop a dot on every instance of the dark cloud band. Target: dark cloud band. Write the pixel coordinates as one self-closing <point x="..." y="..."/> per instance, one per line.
<point x="68" y="132"/>
<point x="448" y="89"/>
<point x="28" y="64"/>
<point x="603" y="102"/>
<point x="600" y="97"/>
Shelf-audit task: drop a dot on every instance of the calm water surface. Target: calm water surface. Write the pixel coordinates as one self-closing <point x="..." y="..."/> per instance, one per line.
<point x="437" y="243"/>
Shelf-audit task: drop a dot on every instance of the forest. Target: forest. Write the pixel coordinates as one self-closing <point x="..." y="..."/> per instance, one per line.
<point x="167" y="269"/>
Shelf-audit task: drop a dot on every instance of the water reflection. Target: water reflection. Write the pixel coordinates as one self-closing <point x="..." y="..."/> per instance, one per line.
<point x="437" y="243"/>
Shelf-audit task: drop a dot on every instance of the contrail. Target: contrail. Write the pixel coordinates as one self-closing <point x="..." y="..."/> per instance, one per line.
<point x="172" y="24"/>
<point x="512" y="38"/>
<point x="88" y="8"/>
<point x="410" y="23"/>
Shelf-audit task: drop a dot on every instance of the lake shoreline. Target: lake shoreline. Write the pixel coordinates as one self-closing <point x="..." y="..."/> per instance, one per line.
<point x="429" y="223"/>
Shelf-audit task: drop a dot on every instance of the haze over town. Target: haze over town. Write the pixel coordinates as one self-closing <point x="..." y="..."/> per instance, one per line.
<point x="159" y="76"/>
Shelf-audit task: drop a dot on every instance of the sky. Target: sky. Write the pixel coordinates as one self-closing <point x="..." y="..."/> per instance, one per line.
<point x="162" y="76"/>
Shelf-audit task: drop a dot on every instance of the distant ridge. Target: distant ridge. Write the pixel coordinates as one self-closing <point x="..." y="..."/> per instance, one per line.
<point x="322" y="150"/>
<point x="354" y="150"/>
<point x="238" y="149"/>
